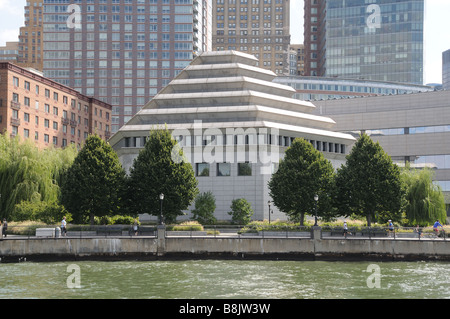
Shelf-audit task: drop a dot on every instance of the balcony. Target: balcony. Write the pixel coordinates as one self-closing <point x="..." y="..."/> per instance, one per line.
<point x="65" y="121"/>
<point x="15" y="122"/>
<point x="15" y="105"/>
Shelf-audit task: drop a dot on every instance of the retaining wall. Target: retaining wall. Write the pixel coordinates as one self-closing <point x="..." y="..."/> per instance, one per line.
<point x="216" y="247"/>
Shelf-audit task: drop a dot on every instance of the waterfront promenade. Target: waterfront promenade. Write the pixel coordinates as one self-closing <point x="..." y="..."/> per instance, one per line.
<point x="316" y="244"/>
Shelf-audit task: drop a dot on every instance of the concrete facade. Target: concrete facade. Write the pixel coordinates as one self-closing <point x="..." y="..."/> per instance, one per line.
<point x="234" y="125"/>
<point x="251" y="248"/>
<point x="411" y="128"/>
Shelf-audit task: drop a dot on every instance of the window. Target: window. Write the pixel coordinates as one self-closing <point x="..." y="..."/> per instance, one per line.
<point x="46" y="138"/>
<point x="16" y="81"/>
<point x="244" y="169"/>
<point x="202" y="169"/>
<point x="223" y="169"/>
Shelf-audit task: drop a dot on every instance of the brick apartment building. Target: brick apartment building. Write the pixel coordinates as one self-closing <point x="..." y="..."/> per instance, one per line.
<point x="46" y="112"/>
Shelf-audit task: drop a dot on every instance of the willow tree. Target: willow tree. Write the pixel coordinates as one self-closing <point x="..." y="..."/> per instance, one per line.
<point x="28" y="174"/>
<point x="159" y="170"/>
<point x="92" y="185"/>
<point x="425" y="202"/>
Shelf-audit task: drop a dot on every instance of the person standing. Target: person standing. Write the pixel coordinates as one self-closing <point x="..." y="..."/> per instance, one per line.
<point x="63" y="226"/>
<point x="5" y="227"/>
<point x="391" y="227"/>
<point x="135" y="227"/>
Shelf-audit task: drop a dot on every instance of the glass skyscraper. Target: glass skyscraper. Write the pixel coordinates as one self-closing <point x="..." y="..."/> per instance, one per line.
<point x="365" y="39"/>
<point x="122" y="51"/>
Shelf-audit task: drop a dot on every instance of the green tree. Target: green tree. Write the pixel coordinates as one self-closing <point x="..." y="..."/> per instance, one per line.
<point x="205" y="206"/>
<point x="425" y="202"/>
<point x="241" y="211"/>
<point x="369" y="184"/>
<point x="303" y="173"/>
<point x="30" y="174"/>
<point x="91" y="186"/>
<point x="159" y="170"/>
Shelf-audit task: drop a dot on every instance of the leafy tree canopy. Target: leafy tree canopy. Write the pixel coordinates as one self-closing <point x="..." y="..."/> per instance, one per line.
<point x="155" y="172"/>
<point x="92" y="184"/>
<point x="303" y="173"/>
<point x="369" y="184"/>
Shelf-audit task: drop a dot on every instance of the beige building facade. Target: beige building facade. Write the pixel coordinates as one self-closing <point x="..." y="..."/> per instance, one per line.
<point x="412" y="128"/>
<point x="48" y="113"/>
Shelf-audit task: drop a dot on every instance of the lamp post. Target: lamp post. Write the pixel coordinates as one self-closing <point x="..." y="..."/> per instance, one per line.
<point x="268" y="203"/>
<point x="316" y="199"/>
<point x="161" y="198"/>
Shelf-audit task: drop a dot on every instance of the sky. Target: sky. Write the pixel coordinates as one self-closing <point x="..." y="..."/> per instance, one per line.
<point x="436" y="39"/>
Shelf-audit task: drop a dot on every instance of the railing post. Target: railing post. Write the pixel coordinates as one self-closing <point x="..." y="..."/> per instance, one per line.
<point x="161" y="240"/>
<point x="316" y="232"/>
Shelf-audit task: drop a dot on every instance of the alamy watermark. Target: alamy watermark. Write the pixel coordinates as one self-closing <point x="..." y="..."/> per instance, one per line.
<point x="230" y="145"/>
<point x="374" y="19"/>
<point x="374" y="279"/>
<point x="74" y="20"/>
<point x="74" y="279"/>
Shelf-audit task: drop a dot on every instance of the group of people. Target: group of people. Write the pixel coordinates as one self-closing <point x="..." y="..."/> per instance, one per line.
<point x="436" y="226"/>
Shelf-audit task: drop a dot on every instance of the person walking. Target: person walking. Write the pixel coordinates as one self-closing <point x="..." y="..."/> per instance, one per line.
<point x="63" y="226"/>
<point x="345" y="229"/>
<point x="419" y="231"/>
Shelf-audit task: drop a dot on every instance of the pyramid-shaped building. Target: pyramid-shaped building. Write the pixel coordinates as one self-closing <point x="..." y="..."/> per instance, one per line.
<point x="234" y="125"/>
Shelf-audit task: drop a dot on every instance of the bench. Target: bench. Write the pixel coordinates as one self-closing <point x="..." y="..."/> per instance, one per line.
<point x="45" y="232"/>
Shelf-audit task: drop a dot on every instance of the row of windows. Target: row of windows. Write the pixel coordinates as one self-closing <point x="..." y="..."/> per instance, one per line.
<point x="26" y="100"/>
<point x="46" y="137"/>
<point x="252" y="139"/>
<point x="405" y="130"/>
<point x="223" y="169"/>
<point x="445" y="185"/>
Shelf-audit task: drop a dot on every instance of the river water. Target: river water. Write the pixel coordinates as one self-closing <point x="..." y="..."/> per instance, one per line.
<point x="225" y="279"/>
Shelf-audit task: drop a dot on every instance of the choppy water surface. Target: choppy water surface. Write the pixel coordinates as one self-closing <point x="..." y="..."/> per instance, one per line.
<point x="220" y="279"/>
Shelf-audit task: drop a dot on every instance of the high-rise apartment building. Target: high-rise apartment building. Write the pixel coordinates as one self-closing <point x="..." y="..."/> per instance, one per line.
<point x="123" y="52"/>
<point x="446" y="70"/>
<point x="257" y="27"/>
<point x="9" y="52"/>
<point x="30" y="38"/>
<point x="365" y="39"/>
<point x="300" y="58"/>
